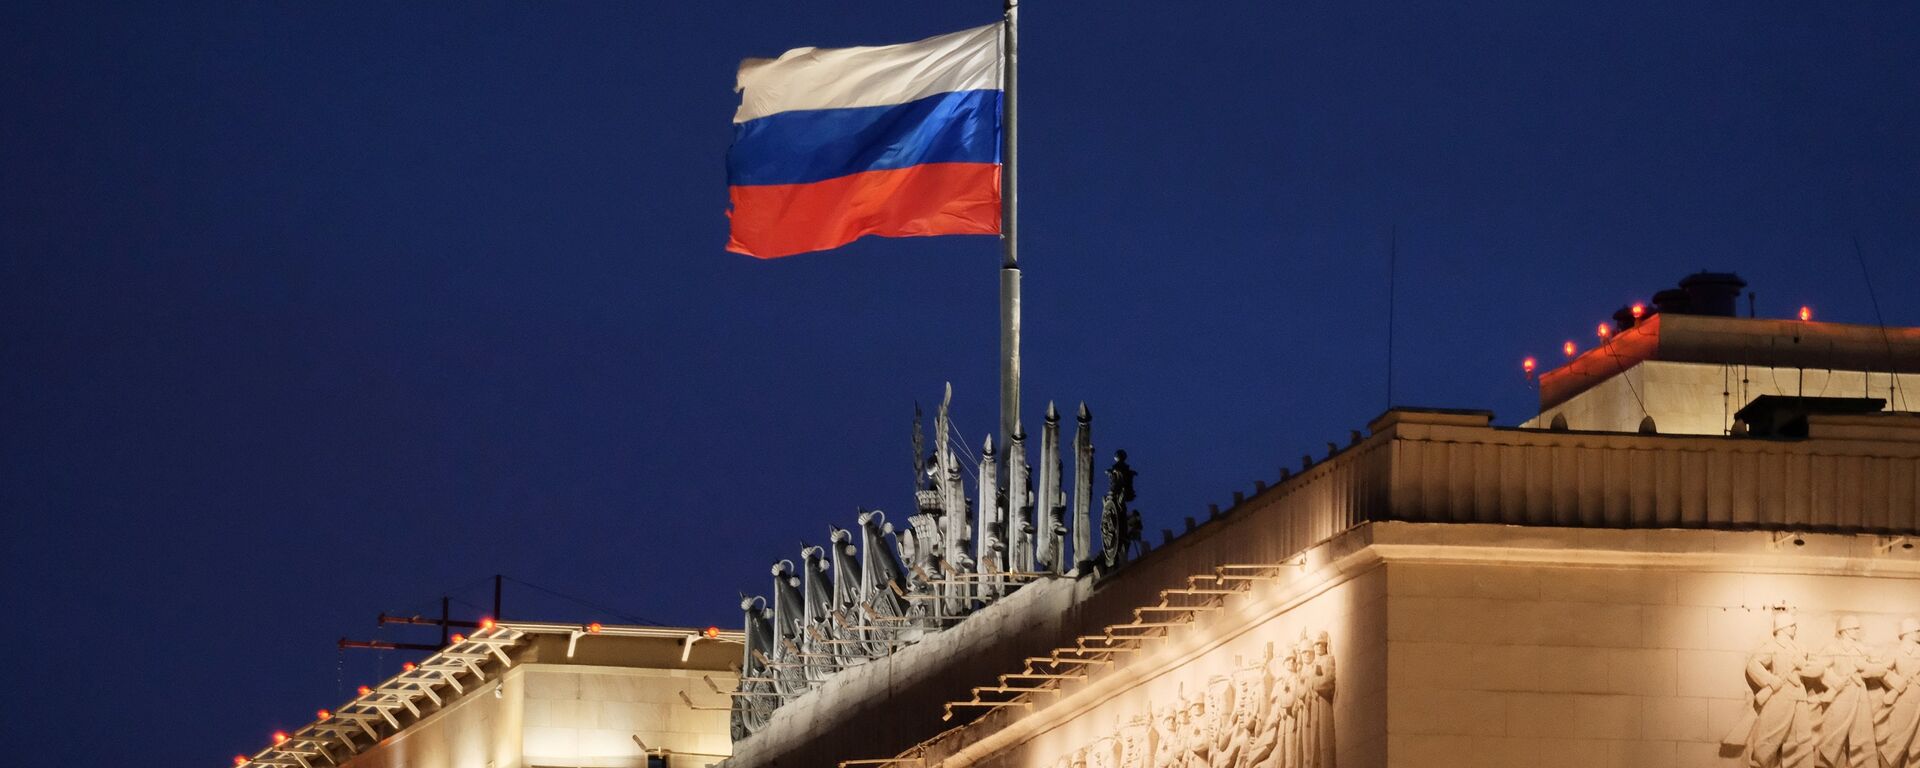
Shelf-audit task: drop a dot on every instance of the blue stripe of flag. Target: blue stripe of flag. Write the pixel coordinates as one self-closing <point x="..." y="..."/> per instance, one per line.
<point x="811" y="145"/>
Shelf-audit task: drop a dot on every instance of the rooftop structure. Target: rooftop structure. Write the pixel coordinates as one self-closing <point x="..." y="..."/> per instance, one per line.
<point x="1690" y="365"/>
<point x="524" y="694"/>
<point x="1596" y="584"/>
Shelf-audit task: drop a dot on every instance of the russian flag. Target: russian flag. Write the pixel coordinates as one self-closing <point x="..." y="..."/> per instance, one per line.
<point x="833" y="144"/>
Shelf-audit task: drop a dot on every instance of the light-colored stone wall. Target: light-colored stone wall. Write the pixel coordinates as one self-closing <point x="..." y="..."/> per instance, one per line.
<point x="1555" y="647"/>
<point x="1701" y="398"/>
<point x="477" y="731"/>
<point x="577" y="716"/>
<point x="1337" y="588"/>
<point x="588" y="716"/>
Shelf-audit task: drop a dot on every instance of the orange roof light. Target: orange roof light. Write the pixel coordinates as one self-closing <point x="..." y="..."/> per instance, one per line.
<point x="1806" y="313"/>
<point x="364" y="690"/>
<point x="239" y="759"/>
<point x="1605" y="330"/>
<point x="1639" y="310"/>
<point x="279" y="736"/>
<point x="409" y="666"/>
<point x="594" y="627"/>
<point x="1568" y="349"/>
<point x="1529" y="364"/>
<point x="458" y="638"/>
<point x="324" y="714"/>
<point x="486" y="622"/>
<point x="713" y="632"/>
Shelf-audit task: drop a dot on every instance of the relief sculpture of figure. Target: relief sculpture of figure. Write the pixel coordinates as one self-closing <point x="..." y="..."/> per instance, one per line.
<point x="1277" y="712"/>
<point x="1777" y="727"/>
<point x="1898" y="720"/>
<point x="1194" y="733"/>
<point x="1320" y="701"/>
<point x="1105" y="753"/>
<point x="1222" y="747"/>
<point x="1264" y="749"/>
<point x="1136" y="740"/>
<point x="1846" y="714"/>
<point x="1286" y="692"/>
<point x="1260" y="716"/>
<point x="1304" y="721"/>
<point x="1166" y="736"/>
<point x="1249" y="696"/>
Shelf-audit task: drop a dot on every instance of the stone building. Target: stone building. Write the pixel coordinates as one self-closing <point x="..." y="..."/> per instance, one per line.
<point x="533" y="695"/>
<point x="1698" y="554"/>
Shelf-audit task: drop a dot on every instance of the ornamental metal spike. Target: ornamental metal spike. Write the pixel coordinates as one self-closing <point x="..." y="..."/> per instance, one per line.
<point x="1050" y="509"/>
<point x="989" y="539"/>
<point x="1083" y="541"/>
<point x="1019" y="503"/>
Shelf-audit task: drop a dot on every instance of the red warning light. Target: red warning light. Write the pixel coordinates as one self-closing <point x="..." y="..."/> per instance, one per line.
<point x="1639" y="310"/>
<point x="1604" y="331"/>
<point x="594" y="628"/>
<point x="458" y="638"/>
<point x="323" y="714"/>
<point x="1528" y="365"/>
<point x="712" y="632"/>
<point x="1806" y="313"/>
<point x="364" y="690"/>
<point x="239" y="759"/>
<point x="1568" y="349"/>
<point x="409" y="666"/>
<point x="279" y="736"/>
<point x="486" y="623"/>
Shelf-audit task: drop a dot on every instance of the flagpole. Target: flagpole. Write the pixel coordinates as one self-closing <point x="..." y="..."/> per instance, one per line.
<point x="1010" y="255"/>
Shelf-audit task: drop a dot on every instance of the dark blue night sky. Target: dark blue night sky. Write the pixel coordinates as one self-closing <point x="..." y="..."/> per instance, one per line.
<point x="313" y="310"/>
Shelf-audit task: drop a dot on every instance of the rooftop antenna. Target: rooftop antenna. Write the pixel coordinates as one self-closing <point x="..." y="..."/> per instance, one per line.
<point x="1893" y="379"/>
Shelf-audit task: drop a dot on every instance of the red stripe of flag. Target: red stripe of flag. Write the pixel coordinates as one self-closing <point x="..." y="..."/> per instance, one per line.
<point x="770" y="221"/>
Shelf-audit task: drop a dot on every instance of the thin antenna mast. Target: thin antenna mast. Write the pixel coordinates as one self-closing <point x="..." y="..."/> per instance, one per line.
<point x="1893" y="378"/>
<point x="1393" y="268"/>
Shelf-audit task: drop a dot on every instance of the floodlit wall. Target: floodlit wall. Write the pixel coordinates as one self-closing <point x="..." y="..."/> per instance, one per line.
<point x="577" y="703"/>
<point x="1221" y="689"/>
<point x="1531" y="647"/>
<point x="1701" y="398"/>
<point x="588" y="716"/>
<point x="478" y="730"/>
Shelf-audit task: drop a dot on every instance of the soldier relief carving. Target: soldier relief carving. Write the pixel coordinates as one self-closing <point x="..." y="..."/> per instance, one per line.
<point x="1843" y="705"/>
<point x="1274" y="712"/>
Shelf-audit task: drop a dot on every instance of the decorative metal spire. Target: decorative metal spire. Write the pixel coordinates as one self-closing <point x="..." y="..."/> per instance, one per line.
<point x="1083" y="485"/>
<point x="1048" y="510"/>
<point x="989" y="535"/>
<point x="1019" y="504"/>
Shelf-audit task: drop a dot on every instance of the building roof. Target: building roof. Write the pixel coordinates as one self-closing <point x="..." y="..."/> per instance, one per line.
<point x="466" y="665"/>
<point x="1851" y="474"/>
<point x="1717" y="340"/>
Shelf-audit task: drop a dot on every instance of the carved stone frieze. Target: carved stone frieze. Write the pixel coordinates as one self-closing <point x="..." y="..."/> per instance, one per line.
<point x="1272" y="712"/>
<point x="1845" y="705"/>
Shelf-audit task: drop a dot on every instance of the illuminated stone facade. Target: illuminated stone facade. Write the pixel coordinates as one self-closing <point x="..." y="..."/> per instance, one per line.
<point x="1490" y="597"/>
<point x="533" y="695"/>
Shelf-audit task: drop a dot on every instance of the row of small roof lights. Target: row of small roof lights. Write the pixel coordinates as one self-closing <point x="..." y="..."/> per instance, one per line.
<point x="280" y="737"/>
<point x="1605" y="331"/>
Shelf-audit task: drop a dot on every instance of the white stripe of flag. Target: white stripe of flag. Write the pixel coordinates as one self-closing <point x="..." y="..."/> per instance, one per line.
<point x="871" y="76"/>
